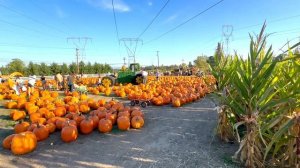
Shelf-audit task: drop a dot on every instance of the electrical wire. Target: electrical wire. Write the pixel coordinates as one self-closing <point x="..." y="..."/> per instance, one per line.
<point x="115" y="19"/>
<point x="32" y="19"/>
<point x="33" y="46"/>
<point x="154" y="18"/>
<point x="185" y="22"/>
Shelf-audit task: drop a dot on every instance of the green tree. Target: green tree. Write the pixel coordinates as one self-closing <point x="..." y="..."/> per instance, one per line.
<point x="73" y="67"/>
<point x="97" y="68"/>
<point x="4" y="70"/>
<point x="190" y="64"/>
<point x="201" y="63"/>
<point x="107" y="68"/>
<point x="211" y="61"/>
<point x="82" y="67"/>
<point x="44" y="69"/>
<point x="89" y="68"/>
<point x="64" y="68"/>
<point x="55" y="68"/>
<point x="16" y="65"/>
<point x="32" y="69"/>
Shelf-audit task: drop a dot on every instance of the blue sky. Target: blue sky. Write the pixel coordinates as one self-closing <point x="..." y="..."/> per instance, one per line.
<point x="37" y="30"/>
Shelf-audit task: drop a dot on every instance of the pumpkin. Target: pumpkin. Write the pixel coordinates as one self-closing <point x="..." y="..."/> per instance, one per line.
<point x="176" y="102"/>
<point x="123" y="123"/>
<point x="69" y="122"/>
<point x="95" y="121"/>
<point x="101" y="114"/>
<point x="35" y="116"/>
<point x="50" y="127"/>
<point x="105" y="125"/>
<point x="6" y="143"/>
<point x="59" y="122"/>
<point x="112" y="117"/>
<point x="32" y="127"/>
<point x="23" y="143"/>
<point x="83" y="97"/>
<point x="32" y="109"/>
<point x="69" y="133"/>
<point x="137" y="122"/>
<point x="11" y="105"/>
<point x="21" y="127"/>
<point x="86" y="126"/>
<point x="84" y="108"/>
<point x="41" y="132"/>
<point x="137" y="113"/>
<point x="17" y="115"/>
<point x="60" y="111"/>
<point x="101" y="102"/>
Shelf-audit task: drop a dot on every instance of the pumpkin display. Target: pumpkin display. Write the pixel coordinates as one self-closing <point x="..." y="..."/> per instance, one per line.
<point x="23" y="143"/>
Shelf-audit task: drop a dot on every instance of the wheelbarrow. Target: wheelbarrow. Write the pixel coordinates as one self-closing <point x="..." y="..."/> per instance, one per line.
<point x="141" y="102"/>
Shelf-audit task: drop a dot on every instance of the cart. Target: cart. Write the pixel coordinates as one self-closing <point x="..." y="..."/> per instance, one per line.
<point x="142" y="102"/>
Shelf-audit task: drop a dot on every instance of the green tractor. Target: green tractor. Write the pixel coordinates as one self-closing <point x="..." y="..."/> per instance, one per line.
<point x="131" y="75"/>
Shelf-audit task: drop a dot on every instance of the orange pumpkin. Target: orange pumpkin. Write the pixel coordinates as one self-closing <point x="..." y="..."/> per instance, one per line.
<point x="21" y="127"/>
<point x="23" y="143"/>
<point x="60" y="111"/>
<point x="123" y="123"/>
<point x="69" y="133"/>
<point x="50" y="127"/>
<point x="6" y="143"/>
<point x="86" y="126"/>
<point x="137" y="122"/>
<point x="41" y="132"/>
<point x="105" y="125"/>
<point x="17" y="115"/>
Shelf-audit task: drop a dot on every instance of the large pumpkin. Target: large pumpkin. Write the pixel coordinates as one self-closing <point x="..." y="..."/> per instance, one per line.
<point x="69" y="133"/>
<point x="123" y="123"/>
<point x="23" y="143"/>
<point x="86" y="126"/>
<point x="137" y="122"/>
<point x="105" y="125"/>
<point x="41" y="132"/>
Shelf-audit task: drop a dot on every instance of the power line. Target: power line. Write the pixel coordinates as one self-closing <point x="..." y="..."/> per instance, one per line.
<point x="33" y="46"/>
<point x="185" y="22"/>
<point x="115" y="19"/>
<point x="154" y="18"/>
<point x="32" y="19"/>
<point x="25" y="28"/>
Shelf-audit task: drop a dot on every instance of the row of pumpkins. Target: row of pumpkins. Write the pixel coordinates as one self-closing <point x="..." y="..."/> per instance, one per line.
<point x="47" y="114"/>
<point x="173" y="90"/>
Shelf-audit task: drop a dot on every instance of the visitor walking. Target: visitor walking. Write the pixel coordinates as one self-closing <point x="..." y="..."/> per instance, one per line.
<point x="19" y="85"/>
<point x="59" y="81"/>
<point x="70" y="81"/>
<point x="144" y="75"/>
<point x="31" y="83"/>
<point x="43" y="79"/>
<point x="157" y="74"/>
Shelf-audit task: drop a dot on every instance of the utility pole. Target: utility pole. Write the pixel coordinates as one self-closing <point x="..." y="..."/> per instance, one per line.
<point x="131" y="45"/>
<point x="227" y="33"/>
<point x="124" y="59"/>
<point x="157" y="54"/>
<point x="79" y="43"/>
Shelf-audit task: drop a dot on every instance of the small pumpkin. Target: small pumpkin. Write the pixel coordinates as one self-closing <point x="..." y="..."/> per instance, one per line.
<point x="6" y="143"/>
<point x="50" y="127"/>
<point x="95" y="120"/>
<point x="21" y="127"/>
<point x="17" y="115"/>
<point x="60" y="111"/>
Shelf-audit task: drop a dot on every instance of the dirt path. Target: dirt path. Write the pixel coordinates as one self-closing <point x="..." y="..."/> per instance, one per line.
<point x="171" y="137"/>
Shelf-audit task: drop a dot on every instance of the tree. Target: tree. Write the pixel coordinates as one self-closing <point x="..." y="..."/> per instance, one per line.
<point x="32" y="69"/>
<point x="97" y="68"/>
<point x="16" y="65"/>
<point x="54" y="68"/>
<point x="64" y="68"/>
<point x="190" y="64"/>
<point x="73" y="67"/>
<point x="211" y="61"/>
<point x="201" y="63"/>
<point x="107" y="68"/>
<point x="82" y="67"/>
<point x="44" y="69"/>
<point x="89" y="68"/>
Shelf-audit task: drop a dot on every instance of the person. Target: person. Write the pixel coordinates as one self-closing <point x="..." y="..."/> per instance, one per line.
<point x="43" y="79"/>
<point x="144" y="75"/>
<point x="99" y="80"/>
<point x="59" y="81"/>
<point x="0" y="79"/>
<point x="157" y="74"/>
<point x="31" y="83"/>
<point x="70" y="81"/>
<point x="19" y="85"/>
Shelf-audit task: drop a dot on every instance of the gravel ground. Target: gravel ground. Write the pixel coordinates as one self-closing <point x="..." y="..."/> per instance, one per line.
<point x="171" y="138"/>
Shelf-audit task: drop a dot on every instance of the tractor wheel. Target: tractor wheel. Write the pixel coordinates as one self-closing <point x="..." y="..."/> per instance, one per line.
<point x="108" y="81"/>
<point x="132" y="103"/>
<point x="138" y="79"/>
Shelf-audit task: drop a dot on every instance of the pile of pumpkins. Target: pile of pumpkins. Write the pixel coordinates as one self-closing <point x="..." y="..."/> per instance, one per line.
<point x="46" y="113"/>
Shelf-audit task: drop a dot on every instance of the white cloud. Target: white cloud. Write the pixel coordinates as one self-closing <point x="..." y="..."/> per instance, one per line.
<point x="120" y="6"/>
<point x="59" y="12"/>
<point x="150" y="3"/>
